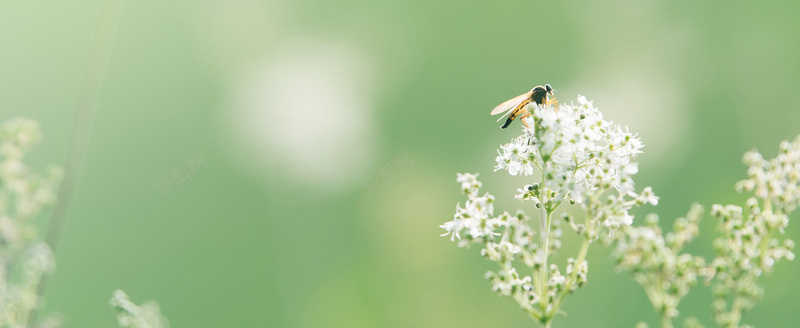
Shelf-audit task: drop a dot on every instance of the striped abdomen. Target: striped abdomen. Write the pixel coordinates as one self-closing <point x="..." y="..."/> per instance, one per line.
<point x="519" y="110"/>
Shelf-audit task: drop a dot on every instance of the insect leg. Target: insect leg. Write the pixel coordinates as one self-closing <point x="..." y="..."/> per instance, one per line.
<point x="554" y="102"/>
<point x="527" y="113"/>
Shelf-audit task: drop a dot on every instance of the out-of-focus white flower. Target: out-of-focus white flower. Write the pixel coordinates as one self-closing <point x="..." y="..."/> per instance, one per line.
<point x="18" y="136"/>
<point x="23" y="194"/>
<point x="130" y="315"/>
<point x="750" y="243"/>
<point x="655" y="261"/>
<point x="777" y="179"/>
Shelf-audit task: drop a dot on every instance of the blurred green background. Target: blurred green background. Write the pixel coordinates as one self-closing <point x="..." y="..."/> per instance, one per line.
<point x="293" y="105"/>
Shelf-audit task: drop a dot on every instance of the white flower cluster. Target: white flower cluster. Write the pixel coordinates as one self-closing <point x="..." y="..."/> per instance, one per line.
<point x="748" y="245"/>
<point x="776" y="180"/>
<point x="130" y="315"/>
<point x="575" y="148"/>
<point x="476" y="216"/>
<point x="656" y="262"/>
<point x="24" y="260"/>
<point x="579" y="156"/>
<point x="31" y="191"/>
<point x="17" y="137"/>
<point x="506" y="238"/>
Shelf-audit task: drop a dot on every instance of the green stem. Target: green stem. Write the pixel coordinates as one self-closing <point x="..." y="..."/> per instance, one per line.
<point x="736" y="313"/>
<point x="522" y="299"/>
<point x="544" y="237"/>
<point x="666" y="322"/>
<point x="538" y="166"/>
<point x="657" y="299"/>
<point x="99" y="56"/>
<point x="762" y="246"/>
<point x="546" y="248"/>
<point x="573" y="277"/>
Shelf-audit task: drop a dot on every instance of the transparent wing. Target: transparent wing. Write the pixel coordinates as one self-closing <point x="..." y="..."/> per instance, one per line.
<point x="506" y="114"/>
<point x="511" y="103"/>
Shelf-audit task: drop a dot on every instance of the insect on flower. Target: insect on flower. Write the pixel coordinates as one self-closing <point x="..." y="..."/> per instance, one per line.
<point x="515" y="107"/>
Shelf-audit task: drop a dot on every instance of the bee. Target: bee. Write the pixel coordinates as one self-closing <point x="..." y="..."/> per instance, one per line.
<point x="515" y="107"/>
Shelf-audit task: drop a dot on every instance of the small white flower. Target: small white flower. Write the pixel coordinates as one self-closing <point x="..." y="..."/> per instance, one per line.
<point x="453" y="228"/>
<point x="630" y="169"/>
<point x="582" y="101"/>
<point x="469" y="182"/>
